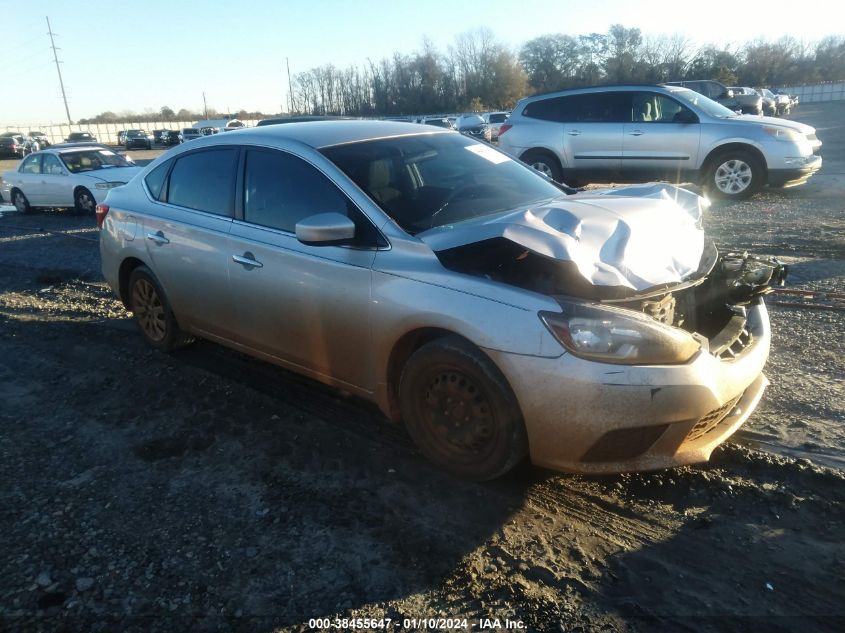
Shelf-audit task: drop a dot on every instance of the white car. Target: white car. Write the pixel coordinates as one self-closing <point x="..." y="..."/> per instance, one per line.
<point x="495" y="120"/>
<point x="77" y="176"/>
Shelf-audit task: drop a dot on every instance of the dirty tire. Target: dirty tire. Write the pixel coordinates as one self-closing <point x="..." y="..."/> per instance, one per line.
<point x="152" y="312"/>
<point x="460" y="410"/>
<point x="734" y="175"/>
<point x="84" y="202"/>
<point x="20" y="202"/>
<point x="545" y="163"/>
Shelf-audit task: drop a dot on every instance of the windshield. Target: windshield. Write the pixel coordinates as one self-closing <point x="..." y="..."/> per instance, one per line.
<point x="703" y="103"/>
<point x="190" y="130"/>
<point x="767" y="93"/>
<point x="93" y="159"/>
<point x="436" y="179"/>
<point x="136" y="133"/>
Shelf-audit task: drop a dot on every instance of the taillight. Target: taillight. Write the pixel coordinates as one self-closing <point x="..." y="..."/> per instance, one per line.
<point x="101" y="213"/>
<point x="505" y="127"/>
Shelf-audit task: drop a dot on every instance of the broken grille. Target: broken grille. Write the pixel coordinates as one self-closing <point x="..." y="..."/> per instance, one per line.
<point x="709" y="422"/>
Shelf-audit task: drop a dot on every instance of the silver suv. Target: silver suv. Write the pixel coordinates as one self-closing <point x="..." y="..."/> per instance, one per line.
<point x="653" y="132"/>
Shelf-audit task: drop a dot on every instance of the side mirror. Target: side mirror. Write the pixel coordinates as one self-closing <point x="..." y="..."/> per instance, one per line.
<point x="325" y="229"/>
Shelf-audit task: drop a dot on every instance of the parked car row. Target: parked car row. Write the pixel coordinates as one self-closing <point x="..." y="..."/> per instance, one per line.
<point x="18" y="145"/>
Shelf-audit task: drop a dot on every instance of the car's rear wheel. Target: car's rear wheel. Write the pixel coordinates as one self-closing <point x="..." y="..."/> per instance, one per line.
<point x="734" y="175"/>
<point x="84" y="202"/>
<point x="545" y="163"/>
<point x="460" y="410"/>
<point x="153" y="315"/>
<point x="20" y="202"/>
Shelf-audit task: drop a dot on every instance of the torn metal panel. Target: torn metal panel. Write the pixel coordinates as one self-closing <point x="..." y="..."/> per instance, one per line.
<point x="634" y="238"/>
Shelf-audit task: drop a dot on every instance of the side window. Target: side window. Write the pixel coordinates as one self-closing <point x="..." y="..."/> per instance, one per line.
<point x="281" y="189"/>
<point x="204" y="181"/>
<point x="600" y="107"/>
<point x="51" y="165"/>
<point x="545" y="109"/>
<point x="651" y="107"/>
<point x="155" y="179"/>
<point x="31" y="164"/>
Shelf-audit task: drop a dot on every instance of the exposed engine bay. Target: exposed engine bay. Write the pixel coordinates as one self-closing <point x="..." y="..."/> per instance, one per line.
<point x="708" y="300"/>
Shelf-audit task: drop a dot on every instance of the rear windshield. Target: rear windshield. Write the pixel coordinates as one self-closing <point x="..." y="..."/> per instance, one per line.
<point x="498" y="118"/>
<point x="92" y="160"/>
<point x="436" y="179"/>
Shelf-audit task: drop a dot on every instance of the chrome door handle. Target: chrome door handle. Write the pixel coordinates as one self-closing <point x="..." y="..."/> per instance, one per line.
<point x="247" y="259"/>
<point x="158" y="238"/>
<point x="636" y="133"/>
<point x="574" y="132"/>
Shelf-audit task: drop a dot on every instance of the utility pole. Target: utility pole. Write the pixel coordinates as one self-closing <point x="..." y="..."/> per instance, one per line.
<point x="58" y="69"/>
<point x="290" y="90"/>
<point x="204" y="106"/>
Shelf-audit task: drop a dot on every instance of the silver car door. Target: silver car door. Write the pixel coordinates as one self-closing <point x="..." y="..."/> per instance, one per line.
<point x="186" y="232"/>
<point x="663" y="138"/>
<point x="592" y="135"/>
<point x="28" y="179"/>
<point x="56" y="184"/>
<point x="307" y="305"/>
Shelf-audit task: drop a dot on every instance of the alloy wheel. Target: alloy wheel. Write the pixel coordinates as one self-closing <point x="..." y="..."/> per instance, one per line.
<point x="149" y="310"/>
<point x="733" y="177"/>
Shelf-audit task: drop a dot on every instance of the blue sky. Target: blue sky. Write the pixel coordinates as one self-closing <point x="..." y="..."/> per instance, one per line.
<point x="132" y="55"/>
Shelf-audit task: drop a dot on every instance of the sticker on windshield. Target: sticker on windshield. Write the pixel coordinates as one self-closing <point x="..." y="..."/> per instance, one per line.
<point x="488" y="153"/>
<point x="106" y="152"/>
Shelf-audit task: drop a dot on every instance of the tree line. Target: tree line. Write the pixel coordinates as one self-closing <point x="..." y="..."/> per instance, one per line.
<point x="478" y="72"/>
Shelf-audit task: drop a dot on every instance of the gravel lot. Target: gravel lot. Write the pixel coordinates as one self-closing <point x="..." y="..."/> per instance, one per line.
<point x="208" y="491"/>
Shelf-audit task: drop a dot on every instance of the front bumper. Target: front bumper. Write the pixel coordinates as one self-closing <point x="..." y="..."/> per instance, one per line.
<point x="589" y="417"/>
<point x="790" y="177"/>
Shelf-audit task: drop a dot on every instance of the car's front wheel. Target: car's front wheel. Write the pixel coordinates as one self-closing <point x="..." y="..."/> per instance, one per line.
<point x="20" y="202"/>
<point x="460" y="410"/>
<point x="153" y="315"/>
<point x="84" y="202"/>
<point x="734" y="175"/>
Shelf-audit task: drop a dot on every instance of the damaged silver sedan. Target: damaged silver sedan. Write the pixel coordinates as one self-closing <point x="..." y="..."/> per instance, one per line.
<point x="494" y="312"/>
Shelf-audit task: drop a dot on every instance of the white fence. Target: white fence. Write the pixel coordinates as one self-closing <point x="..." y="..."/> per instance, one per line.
<point x="105" y="132"/>
<point x="834" y="91"/>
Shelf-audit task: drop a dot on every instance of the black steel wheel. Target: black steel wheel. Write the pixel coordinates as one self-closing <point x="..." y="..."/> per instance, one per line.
<point x="460" y="411"/>
<point x="153" y="315"/>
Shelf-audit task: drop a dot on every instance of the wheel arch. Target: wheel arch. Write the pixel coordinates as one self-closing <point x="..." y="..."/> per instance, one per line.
<point x="401" y="351"/>
<point x="127" y="266"/>
<point x="542" y="150"/>
<point x="733" y="147"/>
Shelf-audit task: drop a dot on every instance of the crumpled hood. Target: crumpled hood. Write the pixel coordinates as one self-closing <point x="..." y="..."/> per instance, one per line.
<point x="635" y="237"/>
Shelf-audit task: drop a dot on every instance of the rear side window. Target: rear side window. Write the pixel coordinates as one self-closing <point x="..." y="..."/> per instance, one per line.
<point x="545" y="109"/>
<point x="155" y="179"/>
<point x="204" y="181"/>
<point x="281" y="189"/>
<point x="31" y="164"/>
<point x="599" y="107"/>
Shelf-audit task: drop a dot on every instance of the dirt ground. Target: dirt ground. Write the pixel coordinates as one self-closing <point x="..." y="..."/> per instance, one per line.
<point x="207" y="491"/>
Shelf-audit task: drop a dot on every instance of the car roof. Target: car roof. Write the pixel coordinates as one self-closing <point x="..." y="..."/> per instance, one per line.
<point x="591" y="89"/>
<point x="320" y="134"/>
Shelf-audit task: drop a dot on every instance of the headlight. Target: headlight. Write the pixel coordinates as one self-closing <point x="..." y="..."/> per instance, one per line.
<point x="611" y="335"/>
<point x="109" y="185"/>
<point x="784" y="134"/>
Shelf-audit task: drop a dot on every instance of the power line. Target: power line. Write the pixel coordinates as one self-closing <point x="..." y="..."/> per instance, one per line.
<point x="59" y="70"/>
